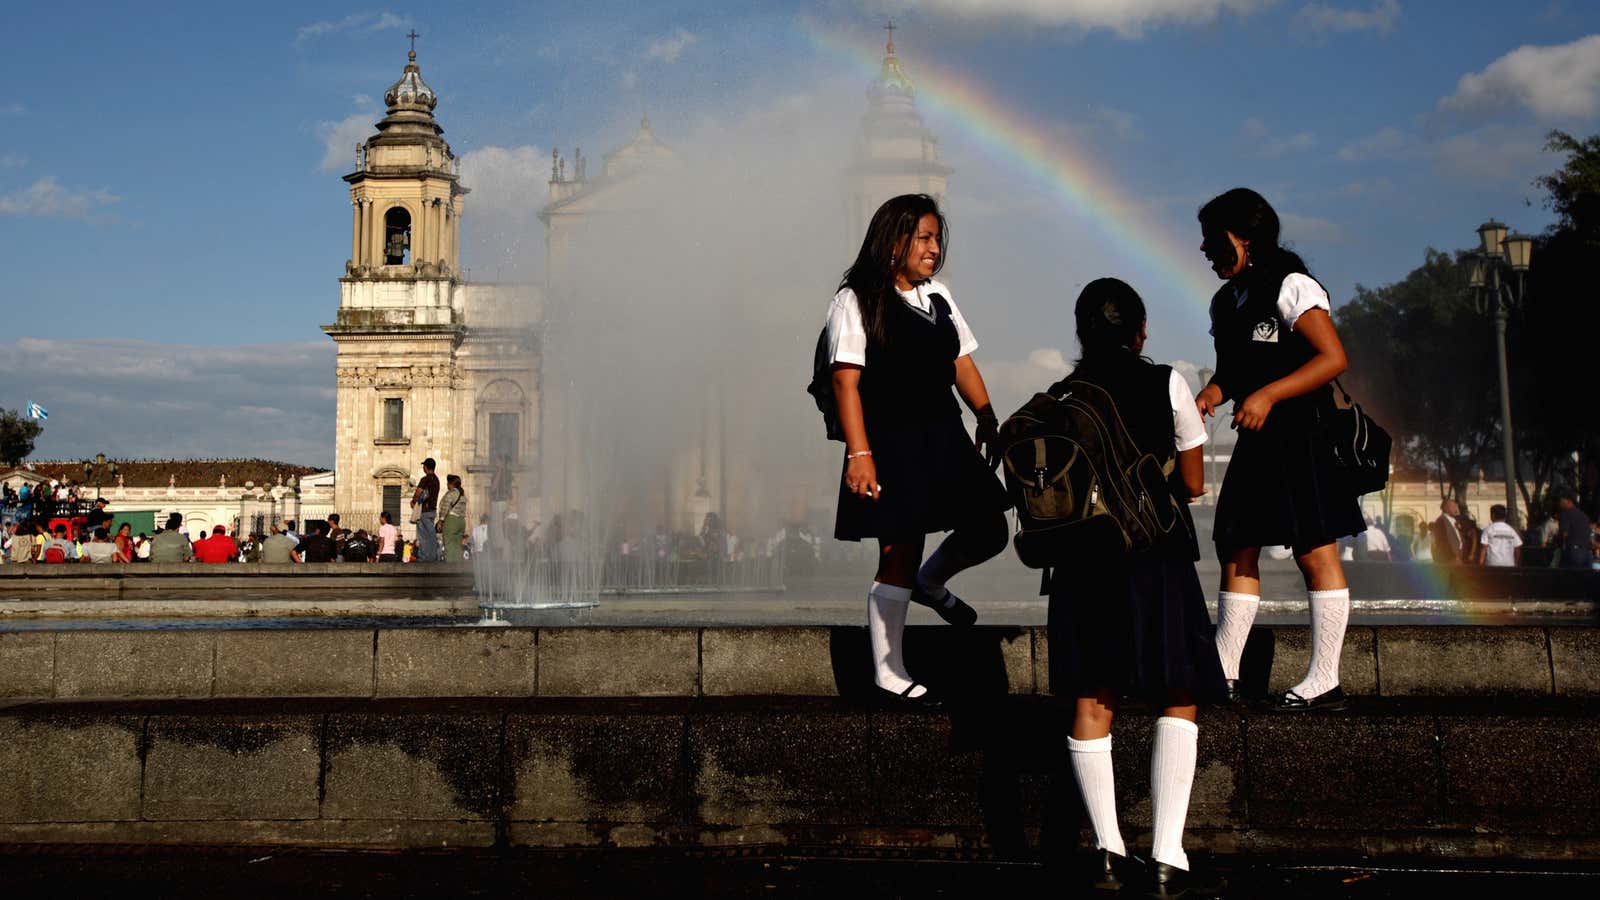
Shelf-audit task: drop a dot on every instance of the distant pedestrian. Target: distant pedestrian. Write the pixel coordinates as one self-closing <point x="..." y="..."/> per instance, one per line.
<point x="425" y="506"/>
<point x="278" y="548"/>
<point x="1500" y="544"/>
<point x="1374" y="543"/>
<point x="58" y="549"/>
<point x="101" y="550"/>
<point x="22" y="542"/>
<point x="1576" y="537"/>
<point x="452" y="519"/>
<point x="218" y="548"/>
<point x="1444" y="534"/>
<point x="316" y="547"/>
<point x="358" y="547"/>
<point x="388" y="539"/>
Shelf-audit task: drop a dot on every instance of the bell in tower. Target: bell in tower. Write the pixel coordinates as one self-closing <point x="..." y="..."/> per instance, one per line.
<point x="397" y="236"/>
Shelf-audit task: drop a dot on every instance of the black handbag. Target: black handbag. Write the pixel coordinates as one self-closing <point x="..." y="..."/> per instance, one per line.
<point x="1360" y="446"/>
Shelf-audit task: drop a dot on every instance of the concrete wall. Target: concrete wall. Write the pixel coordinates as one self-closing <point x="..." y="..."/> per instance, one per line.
<point x="1388" y="661"/>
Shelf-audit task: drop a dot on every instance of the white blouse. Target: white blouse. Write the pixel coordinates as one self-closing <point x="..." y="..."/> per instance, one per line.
<point x="847" y="336"/>
<point x="1188" y="427"/>
<point x="1298" y="295"/>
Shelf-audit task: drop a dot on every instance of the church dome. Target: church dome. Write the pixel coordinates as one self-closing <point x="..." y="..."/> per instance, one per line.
<point x="644" y="152"/>
<point x="410" y="90"/>
<point x="891" y="78"/>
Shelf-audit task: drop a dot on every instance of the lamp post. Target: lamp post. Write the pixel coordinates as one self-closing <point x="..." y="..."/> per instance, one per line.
<point x="96" y="470"/>
<point x="1499" y="256"/>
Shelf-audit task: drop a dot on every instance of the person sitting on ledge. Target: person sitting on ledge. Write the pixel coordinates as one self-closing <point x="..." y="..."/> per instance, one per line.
<point x="58" y="549"/>
<point x="316" y="547"/>
<point x="101" y="550"/>
<point x="218" y="548"/>
<point x="169" y="545"/>
<point x="358" y="547"/>
<point x="279" y="548"/>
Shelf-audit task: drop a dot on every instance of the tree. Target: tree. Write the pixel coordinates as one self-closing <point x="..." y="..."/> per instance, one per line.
<point x="16" y="437"/>
<point x="1422" y="361"/>
<point x="1574" y="190"/>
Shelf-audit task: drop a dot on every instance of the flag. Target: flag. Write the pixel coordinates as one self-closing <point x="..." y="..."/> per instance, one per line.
<point x="35" y="411"/>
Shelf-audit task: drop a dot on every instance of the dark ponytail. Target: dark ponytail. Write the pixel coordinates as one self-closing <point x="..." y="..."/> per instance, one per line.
<point x="1110" y="315"/>
<point x="1252" y="219"/>
<point x="872" y="275"/>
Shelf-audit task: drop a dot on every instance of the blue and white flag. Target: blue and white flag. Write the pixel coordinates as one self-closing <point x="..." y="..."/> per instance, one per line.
<point x="35" y="411"/>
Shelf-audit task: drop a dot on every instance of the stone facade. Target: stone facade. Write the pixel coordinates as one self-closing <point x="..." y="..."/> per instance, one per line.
<point x="428" y="365"/>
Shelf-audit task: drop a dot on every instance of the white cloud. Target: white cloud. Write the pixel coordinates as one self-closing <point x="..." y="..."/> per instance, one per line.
<point x="630" y="79"/>
<point x="1386" y="143"/>
<point x="1558" y="82"/>
<point x="366" y="21"/>
<point x="1118" y="123"/>
<point x="268" y="400"/>
<point x="501" y="232"/>
<point x="1014" y="381"/>
<point x="1497" y="153"/>
<point x="12" y="161"/>
<point x="48" y="197"/>
<point x="1125" y="18"/>
<point x="1324" y="17"/>
<point x="339" y="140"/>
<point x="670" y="46"/>
<point x="1311" y="230"/>
<point x="1271" y="146"/>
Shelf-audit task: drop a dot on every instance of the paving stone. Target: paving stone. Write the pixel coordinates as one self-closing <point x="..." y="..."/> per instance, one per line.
<point x="1522" y="773"/>
<point x="1445" y="660"/>
<point x="232" y="767"/>
<point x="27" y="664"/>
<point x="596" y="767"/>
<point x="65" y="767"/>
<point x="277" y="663"/>
<point x="1575" y="656"/>
<point x="767" y="661"/>
<point x="1333" y="770"/>
<point x="134" y="664"/>
<point x="619" y="662"/>
<point x="413" y="766"/>
<point x="780" y="767"/>
<point x="456" y="662"/>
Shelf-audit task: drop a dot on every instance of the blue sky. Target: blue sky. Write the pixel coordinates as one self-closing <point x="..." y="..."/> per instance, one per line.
<point x="169" y="175"/>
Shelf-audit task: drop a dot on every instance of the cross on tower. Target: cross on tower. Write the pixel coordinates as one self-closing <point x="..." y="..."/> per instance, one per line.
<point x="413" y="35"/>
<point x="889" y="27"/>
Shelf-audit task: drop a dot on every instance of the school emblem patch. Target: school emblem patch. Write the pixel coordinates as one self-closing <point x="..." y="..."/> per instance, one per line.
<point x="1266" y="331"/>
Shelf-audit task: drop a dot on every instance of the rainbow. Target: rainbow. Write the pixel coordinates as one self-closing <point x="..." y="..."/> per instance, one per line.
<point x="1087" y="190"/>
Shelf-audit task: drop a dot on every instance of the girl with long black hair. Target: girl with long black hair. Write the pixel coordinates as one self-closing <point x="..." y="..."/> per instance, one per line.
<point x="897" y="346"/>
<point x="1137" y="626"/>
<point x="1277" y="353"/>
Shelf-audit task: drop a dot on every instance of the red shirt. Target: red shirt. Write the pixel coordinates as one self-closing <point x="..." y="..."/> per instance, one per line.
<point x="219" y="548"/>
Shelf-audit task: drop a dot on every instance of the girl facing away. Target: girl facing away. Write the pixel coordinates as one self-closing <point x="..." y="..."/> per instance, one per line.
<point x="897" y="346"/>
<point x="1277" y="353"/>
<point x="1136" y="626"/>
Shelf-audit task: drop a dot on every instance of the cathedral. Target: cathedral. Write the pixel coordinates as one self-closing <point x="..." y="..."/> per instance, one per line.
<point x="432" y="365"/>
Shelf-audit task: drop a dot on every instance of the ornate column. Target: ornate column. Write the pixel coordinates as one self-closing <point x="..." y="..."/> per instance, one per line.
<point x="355" y="233"/>
<point x="374" y="235"/>
<point x="438" y="231"/>
<point x="419" y="234"/>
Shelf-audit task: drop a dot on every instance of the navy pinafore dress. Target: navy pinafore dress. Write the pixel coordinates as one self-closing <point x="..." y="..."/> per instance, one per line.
<point x="933" y="478"/>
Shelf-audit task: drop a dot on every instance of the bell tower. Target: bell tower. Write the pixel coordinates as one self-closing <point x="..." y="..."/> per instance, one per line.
<point x="402" y="314"/>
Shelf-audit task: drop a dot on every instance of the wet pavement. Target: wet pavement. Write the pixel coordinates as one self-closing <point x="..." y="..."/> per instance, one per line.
<point x="242" y="873"/>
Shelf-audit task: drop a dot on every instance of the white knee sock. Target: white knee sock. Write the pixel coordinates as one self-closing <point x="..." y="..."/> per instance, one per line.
<point x="1330" y="613"/>
<point x="886" y="627"/>
<point x="1236" y="612"/>
<point x="1091" y="765"/>
<point x="1171" y="777"/>
<point x="946" y="560"/>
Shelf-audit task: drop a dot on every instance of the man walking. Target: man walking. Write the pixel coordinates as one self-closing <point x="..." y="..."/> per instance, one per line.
<point x="1576" y="538"/>
<point x="426" y="501"/>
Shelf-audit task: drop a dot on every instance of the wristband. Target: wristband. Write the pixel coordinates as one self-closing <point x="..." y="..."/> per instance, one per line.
<point x="861" y="453"/>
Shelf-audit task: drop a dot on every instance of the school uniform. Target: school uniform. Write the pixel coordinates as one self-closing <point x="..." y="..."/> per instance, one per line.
<point x="1138" y="626"/>
<point x="932" y="477"/>
<point x="1282" y="486"/>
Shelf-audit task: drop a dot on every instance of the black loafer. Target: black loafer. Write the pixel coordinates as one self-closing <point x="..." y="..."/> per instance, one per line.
<point x="1234" y="697"/>
<point x="952" y="609"/>
<point x="1109" y="872"/>
<point x="1171" y="881"/>
<point x="1330" y="699"/>
<point x="925" y="702"/>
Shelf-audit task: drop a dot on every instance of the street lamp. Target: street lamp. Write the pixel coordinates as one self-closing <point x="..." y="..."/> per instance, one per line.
<point x="96" y="470"/>
<point x="1500" y="255"/>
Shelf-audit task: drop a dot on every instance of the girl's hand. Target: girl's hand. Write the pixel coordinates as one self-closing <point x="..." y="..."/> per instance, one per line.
<point x="1252" y="413"/>
<point x="987" y="439"/>
<point x="861" y="477"/>
<point x="1207" y="401"/>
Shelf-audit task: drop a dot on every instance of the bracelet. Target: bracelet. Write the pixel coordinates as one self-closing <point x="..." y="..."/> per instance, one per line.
<point x="854" y="455"/>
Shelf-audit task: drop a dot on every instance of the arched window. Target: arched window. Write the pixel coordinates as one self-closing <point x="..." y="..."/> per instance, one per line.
<point x="396" y="236"/>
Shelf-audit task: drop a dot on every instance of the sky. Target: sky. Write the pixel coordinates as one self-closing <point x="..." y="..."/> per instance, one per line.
<point x="174" y="223"/>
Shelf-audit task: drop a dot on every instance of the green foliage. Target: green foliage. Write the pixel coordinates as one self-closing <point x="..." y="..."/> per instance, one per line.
<point x="17" y="435"/>
<point x="1422" y="361"/>
<point x="1574" y="189"/>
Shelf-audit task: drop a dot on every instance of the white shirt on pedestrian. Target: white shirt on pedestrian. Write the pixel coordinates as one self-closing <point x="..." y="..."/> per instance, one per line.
<point x="1375" y="541"/>
<point x="1501" y="542"/>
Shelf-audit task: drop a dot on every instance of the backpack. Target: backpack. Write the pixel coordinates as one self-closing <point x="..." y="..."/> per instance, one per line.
<point x="821" y="387"/>
<point x="54" y="554"/>
<point x="1081" y="487"/>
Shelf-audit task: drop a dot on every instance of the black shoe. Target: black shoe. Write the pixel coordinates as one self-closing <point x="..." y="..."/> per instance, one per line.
<point x="1110" y="872"/>
<point x="1330" y="699"/>
<point x="1234" y="697"/>
<point x="1171" y="881"/>
<point x="925" y="702"/>
<point x="952" y="609"/>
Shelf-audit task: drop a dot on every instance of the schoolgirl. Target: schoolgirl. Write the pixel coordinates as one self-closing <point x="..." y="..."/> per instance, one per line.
<point x="1137" y="626"/>
<point x="1277" y="352"/>
<point x="897" y="345"/>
